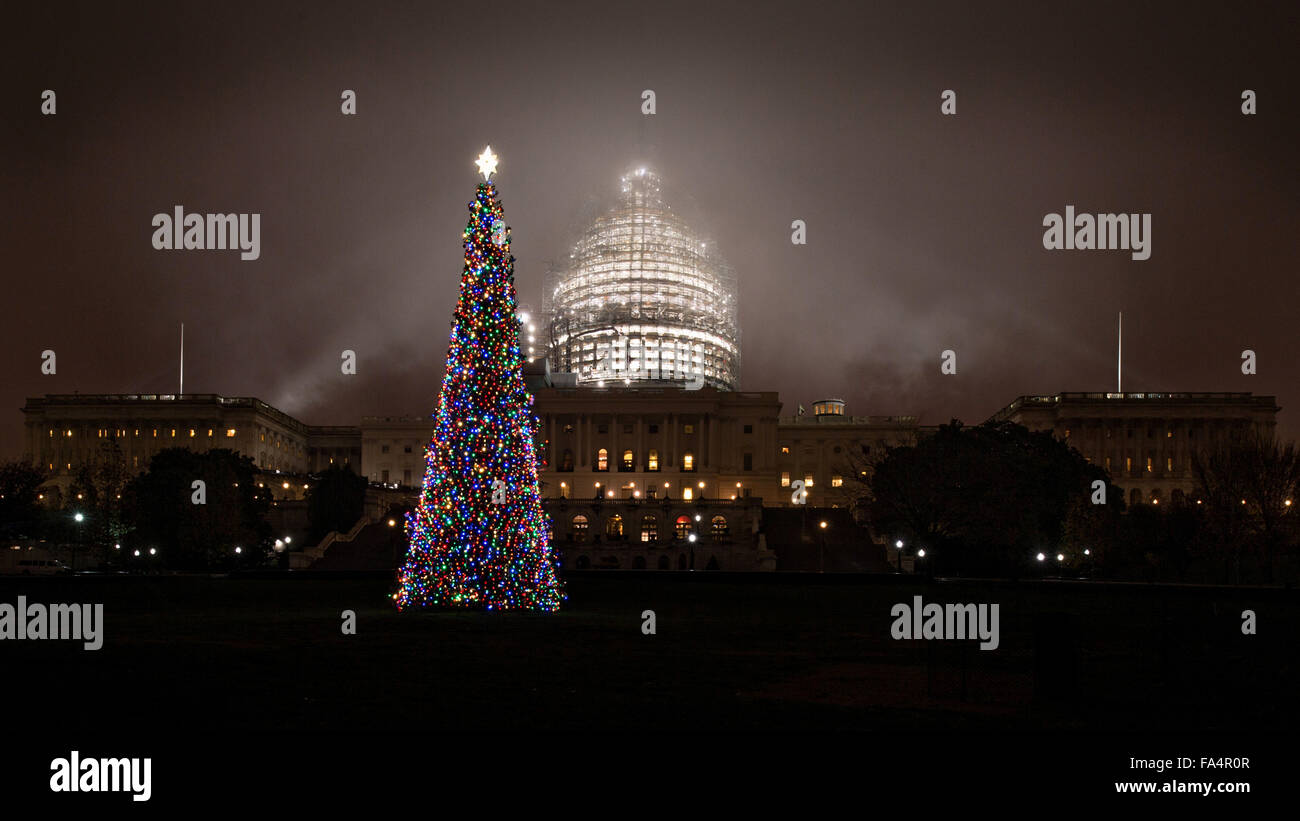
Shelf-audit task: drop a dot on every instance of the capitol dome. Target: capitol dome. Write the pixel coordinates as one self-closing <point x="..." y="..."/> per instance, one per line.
<point x="644" y="298"/>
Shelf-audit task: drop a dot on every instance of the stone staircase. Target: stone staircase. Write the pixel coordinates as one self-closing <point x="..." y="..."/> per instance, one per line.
<point x="369" y="545"/>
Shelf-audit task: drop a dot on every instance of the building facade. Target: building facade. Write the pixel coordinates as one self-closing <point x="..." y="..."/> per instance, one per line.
<point x="652" y="477"/>
<point x="65" y="431"/>
<point x="1146" y="441"/>
<point x="651" y="443"/>
<point x="833" y="453"/>
<point x="660" y="534"/>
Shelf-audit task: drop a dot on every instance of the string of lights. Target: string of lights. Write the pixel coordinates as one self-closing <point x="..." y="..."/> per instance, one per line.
<point x="478" y="536"/>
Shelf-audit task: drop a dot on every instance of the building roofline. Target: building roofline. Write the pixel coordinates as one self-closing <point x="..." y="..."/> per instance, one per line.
<point x="54" y="399"/>
<point x="1105" y="397"/>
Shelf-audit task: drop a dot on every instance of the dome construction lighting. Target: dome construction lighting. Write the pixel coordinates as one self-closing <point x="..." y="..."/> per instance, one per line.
<point x="643" y="299"/>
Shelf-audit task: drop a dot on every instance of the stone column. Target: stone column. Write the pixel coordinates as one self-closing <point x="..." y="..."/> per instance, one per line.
<point x="712" y="448"/>
<point x="615" y="454"/>
<point x="551" y="448"/>
<point x="589" y="448"/>
<point x="671" y="461"/>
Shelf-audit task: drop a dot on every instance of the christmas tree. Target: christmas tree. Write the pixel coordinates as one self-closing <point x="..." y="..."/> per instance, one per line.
<point x="479" y="536"/>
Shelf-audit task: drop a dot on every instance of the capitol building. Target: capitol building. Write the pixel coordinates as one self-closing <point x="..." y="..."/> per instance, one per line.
<point x="654" y="454"/>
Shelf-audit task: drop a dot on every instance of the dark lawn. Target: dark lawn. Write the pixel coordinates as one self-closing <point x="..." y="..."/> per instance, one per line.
<point x="731" y="653"/>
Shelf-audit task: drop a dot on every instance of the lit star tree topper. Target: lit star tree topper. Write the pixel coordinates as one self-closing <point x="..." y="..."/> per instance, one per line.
<point x="478" y="536"/>
<point x="487" y="164"/>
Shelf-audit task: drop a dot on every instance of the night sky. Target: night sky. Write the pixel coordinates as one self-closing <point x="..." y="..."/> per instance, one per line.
<point x="924" y="231"/>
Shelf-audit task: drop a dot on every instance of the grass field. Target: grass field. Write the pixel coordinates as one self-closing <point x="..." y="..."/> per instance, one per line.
<point x="731" y="653"/>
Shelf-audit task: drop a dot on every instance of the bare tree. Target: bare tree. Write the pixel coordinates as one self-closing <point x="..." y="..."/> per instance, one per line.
<point x="1247" y="489"/>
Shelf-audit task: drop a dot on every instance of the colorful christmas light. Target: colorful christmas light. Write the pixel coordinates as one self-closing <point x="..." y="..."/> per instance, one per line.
<point x="470" y="545"/>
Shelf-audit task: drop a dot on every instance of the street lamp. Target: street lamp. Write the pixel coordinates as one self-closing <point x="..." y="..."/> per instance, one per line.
<point x="77" y="517"/>
<point x="899" y="544"/>
<point x="821" y="547"/>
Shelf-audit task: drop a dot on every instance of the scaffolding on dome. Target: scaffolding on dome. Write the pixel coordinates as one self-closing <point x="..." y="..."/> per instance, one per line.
<point x="644" y="299"/>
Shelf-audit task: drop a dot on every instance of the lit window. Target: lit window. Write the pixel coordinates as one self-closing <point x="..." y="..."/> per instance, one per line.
<point x="1169" y="463"/>
<point x="230" y="432"/>
<point x="688" y="429"/>
<point x="649" y="529"/>
<point x="682" y="527"/>
<point x="191" y="433"/>
<point x="1148" y="464"/>
<point x="602" y="459"/>
<point x="687" y="494"/>
<point x="652" y="461"/>
<point x="209" y="433"/>
<point x="628" y="460"/>
<point x="837" y="481"/>
<point x="688" y="461"/>
<point x="614" y="527"/>
<point x="808" y="480"/>
<point x="785" y="449"/>
<point x="579" y="528"/>
<point x="785" y="478"/>
<point x="719" y="524"/>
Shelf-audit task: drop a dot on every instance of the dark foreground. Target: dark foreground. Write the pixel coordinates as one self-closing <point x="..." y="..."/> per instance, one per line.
<point x="731" y="653"/>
